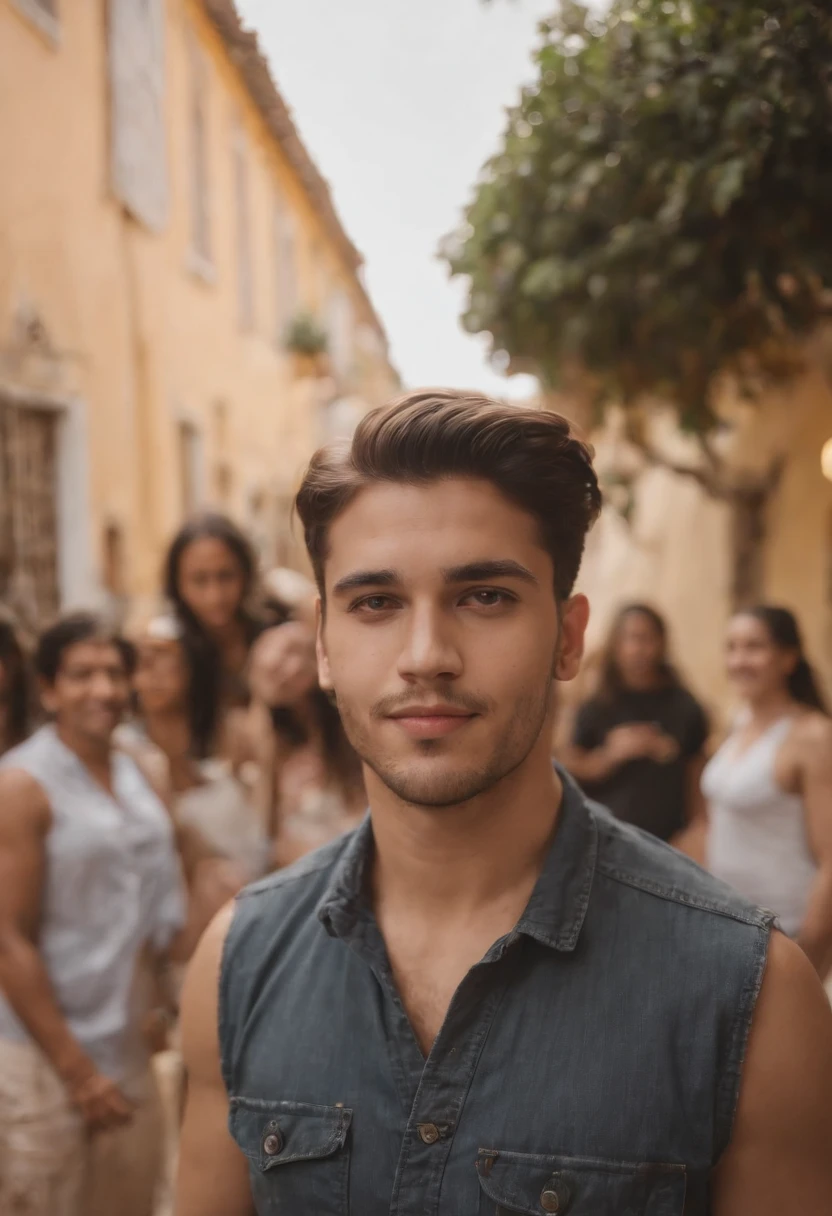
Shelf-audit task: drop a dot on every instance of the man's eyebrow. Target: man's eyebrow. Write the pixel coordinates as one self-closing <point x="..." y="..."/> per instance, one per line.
<point x="365" y="578"/>
<point x="483" y="571"/>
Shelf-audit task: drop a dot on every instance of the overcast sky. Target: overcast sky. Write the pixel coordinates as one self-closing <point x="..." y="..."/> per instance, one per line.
<point x="401" y="102"/>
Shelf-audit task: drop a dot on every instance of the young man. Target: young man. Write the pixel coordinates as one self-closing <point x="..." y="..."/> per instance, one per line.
<point x="89" y="888"/>
<point x="492" y="997"/>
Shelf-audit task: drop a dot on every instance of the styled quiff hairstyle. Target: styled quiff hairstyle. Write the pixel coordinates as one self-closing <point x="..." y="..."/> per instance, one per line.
<point x="531" y="456"/>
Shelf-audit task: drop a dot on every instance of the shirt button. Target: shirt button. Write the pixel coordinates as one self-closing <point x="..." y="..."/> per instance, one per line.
<point x="555" y="1196"/>
<point x="273" y="1144"/>
<point x="428" y="1133"/>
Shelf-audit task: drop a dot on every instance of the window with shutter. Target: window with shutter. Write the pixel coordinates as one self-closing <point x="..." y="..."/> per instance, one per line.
<point x="242" y="201"/>
<point x="44" y="14"/>
<point x="286" y="270"/>
<point x="139" y="168"/>
<point x="201" y="246"/>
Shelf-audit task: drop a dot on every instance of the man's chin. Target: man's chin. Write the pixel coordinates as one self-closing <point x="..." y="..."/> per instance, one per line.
<point x="435" y="790"/>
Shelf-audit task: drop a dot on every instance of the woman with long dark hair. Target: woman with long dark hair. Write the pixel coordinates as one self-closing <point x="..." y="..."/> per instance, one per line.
<point x="638" y="743"/>
<point x="769" y="787"/>
<point x="209" y="580"/>
<point x="15" y="689"/>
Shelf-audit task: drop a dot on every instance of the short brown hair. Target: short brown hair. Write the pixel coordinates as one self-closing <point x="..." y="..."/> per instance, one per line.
<point x="530" y="455"/>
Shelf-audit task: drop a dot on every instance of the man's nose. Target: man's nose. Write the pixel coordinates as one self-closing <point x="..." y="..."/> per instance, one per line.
<point x="431" y="649"/>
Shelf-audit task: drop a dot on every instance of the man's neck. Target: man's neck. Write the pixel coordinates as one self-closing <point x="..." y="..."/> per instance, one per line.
<point x="449" y="861"/>
<point x="94" y="753"/>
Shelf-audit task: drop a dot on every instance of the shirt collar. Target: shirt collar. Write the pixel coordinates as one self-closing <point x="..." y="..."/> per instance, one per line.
<point x="556" y="909"/>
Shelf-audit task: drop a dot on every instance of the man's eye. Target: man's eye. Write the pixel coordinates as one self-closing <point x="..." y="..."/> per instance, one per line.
<point x="487" y="597"/>
<point x="374" y="603"/>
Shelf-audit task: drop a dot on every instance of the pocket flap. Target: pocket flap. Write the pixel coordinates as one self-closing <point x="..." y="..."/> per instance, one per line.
<point x="277" y="1133"/>
<point x="538" y="1184"/>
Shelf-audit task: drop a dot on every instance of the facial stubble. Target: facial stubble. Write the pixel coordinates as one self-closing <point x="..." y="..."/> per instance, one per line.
<point x="447" y="789"/>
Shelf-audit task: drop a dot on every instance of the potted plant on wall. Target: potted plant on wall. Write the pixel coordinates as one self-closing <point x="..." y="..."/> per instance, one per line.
<point x="307" y="340"/>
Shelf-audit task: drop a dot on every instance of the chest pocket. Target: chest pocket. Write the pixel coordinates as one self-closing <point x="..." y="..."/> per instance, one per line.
<point x="297" y="1154"/>
<point x="537" y="1185"/>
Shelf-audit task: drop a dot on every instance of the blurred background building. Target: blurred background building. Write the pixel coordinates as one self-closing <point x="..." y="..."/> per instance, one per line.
<point x="666" y="539"/>
<point x="182" y="314"/>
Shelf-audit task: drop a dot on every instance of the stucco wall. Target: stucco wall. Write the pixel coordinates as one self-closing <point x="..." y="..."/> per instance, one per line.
<point x="140" y="338"/>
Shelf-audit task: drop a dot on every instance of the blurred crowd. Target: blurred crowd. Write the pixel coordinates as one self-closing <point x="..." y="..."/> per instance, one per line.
<point x="147" y="776"/>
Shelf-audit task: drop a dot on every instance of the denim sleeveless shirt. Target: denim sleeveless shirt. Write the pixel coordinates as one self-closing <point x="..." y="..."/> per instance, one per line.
<point x="589" y="1064"/>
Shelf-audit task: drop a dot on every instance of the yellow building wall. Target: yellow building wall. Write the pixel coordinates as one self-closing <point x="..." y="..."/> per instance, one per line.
<point x="144" y="343"/>
<point x="798" y="570"/>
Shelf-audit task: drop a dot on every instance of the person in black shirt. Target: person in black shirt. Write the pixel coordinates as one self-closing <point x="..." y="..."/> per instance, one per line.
<point x="638" y="744"/>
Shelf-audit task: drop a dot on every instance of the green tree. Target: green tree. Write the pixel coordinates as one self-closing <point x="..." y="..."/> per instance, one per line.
<point x="660" y="215"/>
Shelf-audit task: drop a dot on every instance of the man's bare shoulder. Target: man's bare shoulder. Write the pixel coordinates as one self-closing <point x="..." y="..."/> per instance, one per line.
<point x="791" y="989"/>
<point x="213" y="1173"/>
<point x="778" y="1159"/>
<point x="204" y="967"/>
<point x="200" y="1037"/>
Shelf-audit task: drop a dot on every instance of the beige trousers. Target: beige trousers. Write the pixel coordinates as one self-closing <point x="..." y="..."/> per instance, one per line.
<point x="50" y="1165"/>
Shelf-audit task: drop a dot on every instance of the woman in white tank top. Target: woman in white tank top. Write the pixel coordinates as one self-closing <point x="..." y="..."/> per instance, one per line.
<point x="769" y="787"/>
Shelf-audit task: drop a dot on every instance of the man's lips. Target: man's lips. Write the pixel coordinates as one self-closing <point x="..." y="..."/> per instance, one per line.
<point x="429" y="722"/>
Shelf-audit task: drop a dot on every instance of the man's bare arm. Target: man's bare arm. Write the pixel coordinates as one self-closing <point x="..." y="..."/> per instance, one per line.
<point x="25" y="819"/>
<point x="213" y="1173"/>
<point x="779" y="1158"/>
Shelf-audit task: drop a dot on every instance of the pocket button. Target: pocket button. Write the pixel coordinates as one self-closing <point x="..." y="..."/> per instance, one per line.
<point x="555" y="1196"/>
<point x="273" y="1143"/>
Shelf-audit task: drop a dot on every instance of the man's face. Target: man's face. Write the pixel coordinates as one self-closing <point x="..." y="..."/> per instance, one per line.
<point x="441" y="636"/>
<point x="91" y="690"/>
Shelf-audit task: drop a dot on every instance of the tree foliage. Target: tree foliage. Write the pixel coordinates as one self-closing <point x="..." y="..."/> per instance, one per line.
<point x="660" y="210"/>
<point x="306" y="336"/>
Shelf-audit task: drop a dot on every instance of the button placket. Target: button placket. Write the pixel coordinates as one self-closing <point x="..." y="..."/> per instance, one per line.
<point x="428" y="1133"/>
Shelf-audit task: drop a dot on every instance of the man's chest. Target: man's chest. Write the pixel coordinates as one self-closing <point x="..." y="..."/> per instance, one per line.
<point x="527" y="1090"/>
<point x="428" y="969"/>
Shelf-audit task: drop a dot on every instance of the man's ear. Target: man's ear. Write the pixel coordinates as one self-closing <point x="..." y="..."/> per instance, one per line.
<point x="324" y="677"/>
<point x="574" y="618"/>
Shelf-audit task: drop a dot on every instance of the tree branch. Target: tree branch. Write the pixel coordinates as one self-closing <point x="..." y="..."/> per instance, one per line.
<point x="708" y="479"/>
<point x="715" y="480"/>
